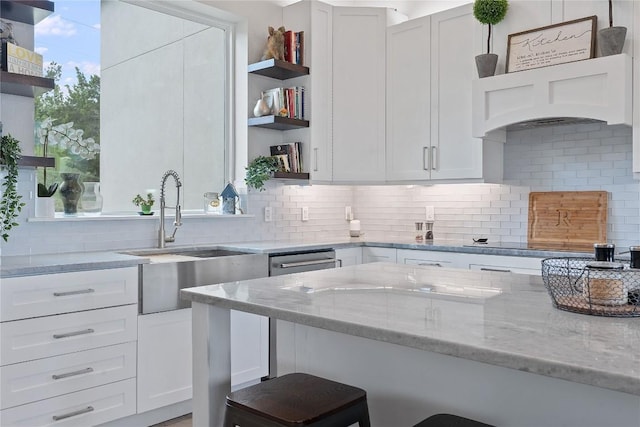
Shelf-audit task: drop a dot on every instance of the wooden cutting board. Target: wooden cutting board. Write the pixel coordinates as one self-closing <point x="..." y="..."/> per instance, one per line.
<point x="571" y="220"/>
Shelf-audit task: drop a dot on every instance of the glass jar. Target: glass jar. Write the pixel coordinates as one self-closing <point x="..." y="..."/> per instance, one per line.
<point x="91" y="200"/>
<point x="211" y="203"/>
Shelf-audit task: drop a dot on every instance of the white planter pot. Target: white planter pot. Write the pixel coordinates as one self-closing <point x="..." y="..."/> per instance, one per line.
<point x="45" y="207"/>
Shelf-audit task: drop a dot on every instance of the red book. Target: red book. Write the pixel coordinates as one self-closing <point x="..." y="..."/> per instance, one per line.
<point x="288" y="52"/>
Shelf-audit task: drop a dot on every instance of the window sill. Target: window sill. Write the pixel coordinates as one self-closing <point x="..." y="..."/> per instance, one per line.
<point x="116" y="216"/>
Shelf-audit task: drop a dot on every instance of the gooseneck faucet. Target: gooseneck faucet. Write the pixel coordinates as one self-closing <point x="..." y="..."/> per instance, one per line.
<point x="162" y="238"/>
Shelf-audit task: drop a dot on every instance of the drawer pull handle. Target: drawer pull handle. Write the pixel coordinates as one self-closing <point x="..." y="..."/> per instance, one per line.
<point x="72" y="374"/>
<point x="73" y="414"/>
<point x="499" y="270"/>
<point x="73" y="334"/>
<point x="64" y="294"/>
<point x="431" y="264"/>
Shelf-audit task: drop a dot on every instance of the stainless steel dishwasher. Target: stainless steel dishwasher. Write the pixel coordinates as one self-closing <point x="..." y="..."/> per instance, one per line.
<point x="287" y="263"/>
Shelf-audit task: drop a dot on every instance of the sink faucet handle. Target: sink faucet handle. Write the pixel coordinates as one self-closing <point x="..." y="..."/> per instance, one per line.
<point x="178" y="221"/>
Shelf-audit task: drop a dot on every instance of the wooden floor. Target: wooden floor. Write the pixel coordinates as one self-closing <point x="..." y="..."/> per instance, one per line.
<point x="184" y="421"/>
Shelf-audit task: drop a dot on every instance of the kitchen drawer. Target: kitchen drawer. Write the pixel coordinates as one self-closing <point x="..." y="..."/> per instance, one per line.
<point x="30" y="339"/>
<point x="44" y="378"/>
<point x="428" y="258"/>
<point x="80" y="409"/>
<point x="33" y="296"/>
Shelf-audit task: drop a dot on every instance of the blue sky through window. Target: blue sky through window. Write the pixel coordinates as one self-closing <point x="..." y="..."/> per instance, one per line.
<point x="71" y="37"/>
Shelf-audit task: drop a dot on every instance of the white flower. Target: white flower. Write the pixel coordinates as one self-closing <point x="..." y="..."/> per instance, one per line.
<point x="65" y="136"/>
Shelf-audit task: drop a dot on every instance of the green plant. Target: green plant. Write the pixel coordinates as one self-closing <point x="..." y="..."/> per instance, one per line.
<point x="139" y="201"/>
<point x="490" y="12"/>
<point x="259" y="171"/>
<point x="10" y="204"/>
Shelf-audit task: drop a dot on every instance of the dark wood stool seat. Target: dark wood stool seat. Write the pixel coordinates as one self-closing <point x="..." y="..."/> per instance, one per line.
<point x="297" y="400"/>
<point x="448" y="420"/>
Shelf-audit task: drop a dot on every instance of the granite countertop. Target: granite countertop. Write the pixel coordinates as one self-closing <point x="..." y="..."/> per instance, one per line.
<point x="12" y="266"/>
<point x="500" y="319"/>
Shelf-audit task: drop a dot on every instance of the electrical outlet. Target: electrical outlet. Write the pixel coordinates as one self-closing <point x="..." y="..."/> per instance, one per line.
<point x="429" y="213"/>
<point x="268" y="214"/>
<point x="305" y="213"/>
<point x="347" y="213"/>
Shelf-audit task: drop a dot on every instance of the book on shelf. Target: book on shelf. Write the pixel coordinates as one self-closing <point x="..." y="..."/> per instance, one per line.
<point x="294" y="47"/>
<point x="289" y="156"/>
<point x="286" y="102"/>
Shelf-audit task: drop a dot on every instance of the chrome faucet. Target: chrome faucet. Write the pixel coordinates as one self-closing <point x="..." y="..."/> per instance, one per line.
<point x="162" y="238"/>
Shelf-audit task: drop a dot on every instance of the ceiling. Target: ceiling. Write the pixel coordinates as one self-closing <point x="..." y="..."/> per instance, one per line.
<point x="410" y="8"/>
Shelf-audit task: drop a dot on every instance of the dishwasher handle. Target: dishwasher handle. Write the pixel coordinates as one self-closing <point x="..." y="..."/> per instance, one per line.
<point x="307" y="263"/>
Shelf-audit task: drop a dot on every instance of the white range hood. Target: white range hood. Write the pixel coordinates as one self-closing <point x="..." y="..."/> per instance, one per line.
<point x="598" y="89"/>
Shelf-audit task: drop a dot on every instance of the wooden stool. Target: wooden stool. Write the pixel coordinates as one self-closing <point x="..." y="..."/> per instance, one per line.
<point x="297" y="400"/>
<point x="448" y="420"/>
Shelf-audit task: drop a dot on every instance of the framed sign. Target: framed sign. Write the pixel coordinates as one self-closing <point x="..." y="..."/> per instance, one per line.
<point x="556" y="44"/>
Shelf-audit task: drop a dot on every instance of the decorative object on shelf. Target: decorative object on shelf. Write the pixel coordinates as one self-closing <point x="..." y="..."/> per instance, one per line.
<point x="18" y="60"/>
<point x="229" y="199"/>
<point x="91" y="200"/>
<point x="212" y="203"/>
<point x="144" y="204"/>
<point x="70" y="192"/>
<point x="262" y="107"/>
<point x="563" y="42"/>
<point x="10" y="203"/>
<point x="611" y="39"/>
<point x="65" y="136"/>
<point x="45" y="204"/>
<point x="6" y="33"/>
<point x="489" y="12"/>
<point x="260" y="170"/>
<point x="275" y="44"/>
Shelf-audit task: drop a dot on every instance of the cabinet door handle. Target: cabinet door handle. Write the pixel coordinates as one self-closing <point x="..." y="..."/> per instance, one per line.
<point x="82" y="291"/>
<point x="339" y="262"/>
<point x="499" y="270"/>
<point x="72" y="374"/>
<point x="315" y="159"/>
<point x="430" y="264"/>
<point x="425" y="158"/>
<point x="73" y="414"/>
<point x="73" y="334"/>
<point x="434" y="158"/>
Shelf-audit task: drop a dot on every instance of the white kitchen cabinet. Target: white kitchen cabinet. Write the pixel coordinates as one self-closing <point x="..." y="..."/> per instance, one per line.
<point x="429" y="258"/>
<point x="349" y="256"/>
<point x="68" y="348"/>
<point x="316" y="20"/>
<point x="506" y="264"/>
<point x="165" y="373"/>
<point x="429" y="105"/>
<point x="374" y="254"/>
<point x="358" y="93"/>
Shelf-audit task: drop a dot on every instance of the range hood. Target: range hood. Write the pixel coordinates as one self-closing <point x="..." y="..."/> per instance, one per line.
<point x="593" y="90"/>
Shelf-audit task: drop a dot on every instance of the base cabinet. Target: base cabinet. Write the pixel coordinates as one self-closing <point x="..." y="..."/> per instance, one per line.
<point x="373" y="254"/>
<point x="349" y="256"/>
<point x="165" y="354"/>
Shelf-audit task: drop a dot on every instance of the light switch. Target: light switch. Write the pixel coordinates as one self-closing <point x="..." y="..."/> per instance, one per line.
<point x="305" y="213"/>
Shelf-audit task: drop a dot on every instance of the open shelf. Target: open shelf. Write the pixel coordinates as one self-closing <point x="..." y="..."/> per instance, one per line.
<point x="278" y="123"/>
<point x="23" y="85"/>
<point x="277" y="69"/>
<point x="26" y="11"/>
<point x="291" y="175"/>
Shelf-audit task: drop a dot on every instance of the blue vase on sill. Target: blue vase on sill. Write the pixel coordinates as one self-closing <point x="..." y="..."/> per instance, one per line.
<point x="70" y="192"/>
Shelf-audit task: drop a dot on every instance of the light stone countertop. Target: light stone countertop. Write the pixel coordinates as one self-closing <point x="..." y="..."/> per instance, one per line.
<point x="505" y="319"/>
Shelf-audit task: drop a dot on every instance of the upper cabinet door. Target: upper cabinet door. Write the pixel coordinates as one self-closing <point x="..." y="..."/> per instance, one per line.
<point x="359" y="94"/>
<point x="408" y="100"/>
<point x="455" y="36"/>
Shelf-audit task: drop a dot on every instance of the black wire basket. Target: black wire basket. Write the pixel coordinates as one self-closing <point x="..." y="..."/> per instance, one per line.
<point x="583" y="285"/>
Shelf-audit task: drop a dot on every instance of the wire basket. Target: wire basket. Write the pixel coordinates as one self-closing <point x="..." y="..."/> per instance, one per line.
<point x="583" y="285"/>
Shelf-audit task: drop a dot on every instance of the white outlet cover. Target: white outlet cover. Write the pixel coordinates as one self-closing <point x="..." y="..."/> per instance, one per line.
<point x="305" y="213"/>
<point x="430" y="213"/>
<point x="268" y="214"/>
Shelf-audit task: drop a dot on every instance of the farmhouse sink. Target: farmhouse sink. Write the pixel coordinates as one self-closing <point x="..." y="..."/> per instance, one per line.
<point x="172" y="269"/>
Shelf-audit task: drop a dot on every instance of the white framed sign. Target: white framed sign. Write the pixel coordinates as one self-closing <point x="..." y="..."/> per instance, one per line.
<point x="555" y="44"/>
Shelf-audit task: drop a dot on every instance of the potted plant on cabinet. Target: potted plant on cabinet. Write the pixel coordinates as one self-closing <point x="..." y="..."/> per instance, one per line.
<point x="611" y="39"/>
<point x="259" y="171"/>
<point x="10" y="203"/>
<point x="489" y="12"/>
<point x="144" y="204"/>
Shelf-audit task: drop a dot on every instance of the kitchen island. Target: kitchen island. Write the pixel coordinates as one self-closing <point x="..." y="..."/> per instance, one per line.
<point x="422" y="340"/>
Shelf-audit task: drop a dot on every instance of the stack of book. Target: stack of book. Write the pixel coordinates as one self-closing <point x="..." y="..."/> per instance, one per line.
<point x="286" y="102"/>
<point x="289" y="156"/>
<point x="294" y="47"/>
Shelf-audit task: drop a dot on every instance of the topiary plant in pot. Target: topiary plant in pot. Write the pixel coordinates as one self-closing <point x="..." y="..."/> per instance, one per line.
<point x="611" y="39"/>
<point x="489" y="12"/>
<point x="10" y="204"/>
<point x="259" y="171"/>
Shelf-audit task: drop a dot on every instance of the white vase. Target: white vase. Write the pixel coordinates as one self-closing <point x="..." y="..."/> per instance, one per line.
<point x="45" y="207"/>
<point x="91" y="200"/>
<point x="261" y="108"/>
